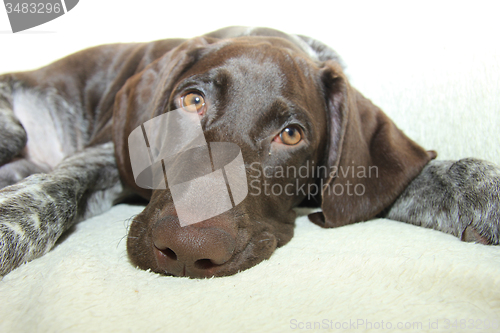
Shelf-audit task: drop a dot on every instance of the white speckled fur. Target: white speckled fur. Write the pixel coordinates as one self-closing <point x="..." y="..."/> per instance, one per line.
<point x="450" y="196"/>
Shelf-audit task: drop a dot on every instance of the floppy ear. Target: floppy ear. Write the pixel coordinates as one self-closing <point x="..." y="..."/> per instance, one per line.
<point x="145" y="96"/>
<point x="369" y="160"/>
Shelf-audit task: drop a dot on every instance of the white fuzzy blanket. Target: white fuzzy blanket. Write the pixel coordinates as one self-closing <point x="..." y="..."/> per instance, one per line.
<point x="435" y="73"/>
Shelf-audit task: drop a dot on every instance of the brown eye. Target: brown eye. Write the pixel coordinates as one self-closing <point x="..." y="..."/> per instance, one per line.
<point x="290" y="136"/>
<point x="193" y="102"/>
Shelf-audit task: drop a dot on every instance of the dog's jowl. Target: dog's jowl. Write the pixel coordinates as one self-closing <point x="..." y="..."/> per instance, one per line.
<point x="83" y="133"/>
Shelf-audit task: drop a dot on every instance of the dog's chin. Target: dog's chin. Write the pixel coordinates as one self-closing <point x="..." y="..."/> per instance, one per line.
<point x="145" y="255"/>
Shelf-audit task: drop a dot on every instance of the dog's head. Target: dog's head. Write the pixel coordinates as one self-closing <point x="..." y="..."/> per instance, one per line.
<point x="304" y="133"/>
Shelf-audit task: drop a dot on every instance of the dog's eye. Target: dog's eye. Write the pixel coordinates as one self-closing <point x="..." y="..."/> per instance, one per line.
<point x="290" y="136"/>
<point x="193" y="102"/>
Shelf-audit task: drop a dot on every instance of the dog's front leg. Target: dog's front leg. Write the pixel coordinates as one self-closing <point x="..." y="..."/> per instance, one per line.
<point x="37" y="210"/>
<point x="461" y="198"/>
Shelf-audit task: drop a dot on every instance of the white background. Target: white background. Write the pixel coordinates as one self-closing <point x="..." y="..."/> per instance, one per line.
<point x="376" y="25"/>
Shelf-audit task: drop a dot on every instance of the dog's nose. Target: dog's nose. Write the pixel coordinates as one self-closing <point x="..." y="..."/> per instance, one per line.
<point x="194" y="251"/>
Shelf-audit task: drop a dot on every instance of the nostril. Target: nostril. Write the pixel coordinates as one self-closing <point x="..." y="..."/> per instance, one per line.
<point x="169" y="253"/>
<point x="191" y="251"/>
<point x="204" y="264"/>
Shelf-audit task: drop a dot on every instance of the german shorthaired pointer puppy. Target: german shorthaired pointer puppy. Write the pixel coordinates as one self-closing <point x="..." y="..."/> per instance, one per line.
<point x="283" y="99"/>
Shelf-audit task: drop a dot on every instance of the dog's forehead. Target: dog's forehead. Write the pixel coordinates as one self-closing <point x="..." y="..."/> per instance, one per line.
<point x="265" y="66"/>
<point x="258" y="56"/>
<point x="252" y="75"/>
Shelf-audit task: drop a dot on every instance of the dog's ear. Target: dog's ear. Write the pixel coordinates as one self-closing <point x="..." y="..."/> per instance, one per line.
<point x="369" y="160"/>
<point x="146" y="95"/>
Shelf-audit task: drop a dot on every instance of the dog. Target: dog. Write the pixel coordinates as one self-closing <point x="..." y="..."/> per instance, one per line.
<point x="283" y="99"/>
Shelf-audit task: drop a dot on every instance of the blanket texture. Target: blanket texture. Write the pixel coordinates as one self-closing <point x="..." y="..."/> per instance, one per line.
<point x="438" y="81"/>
